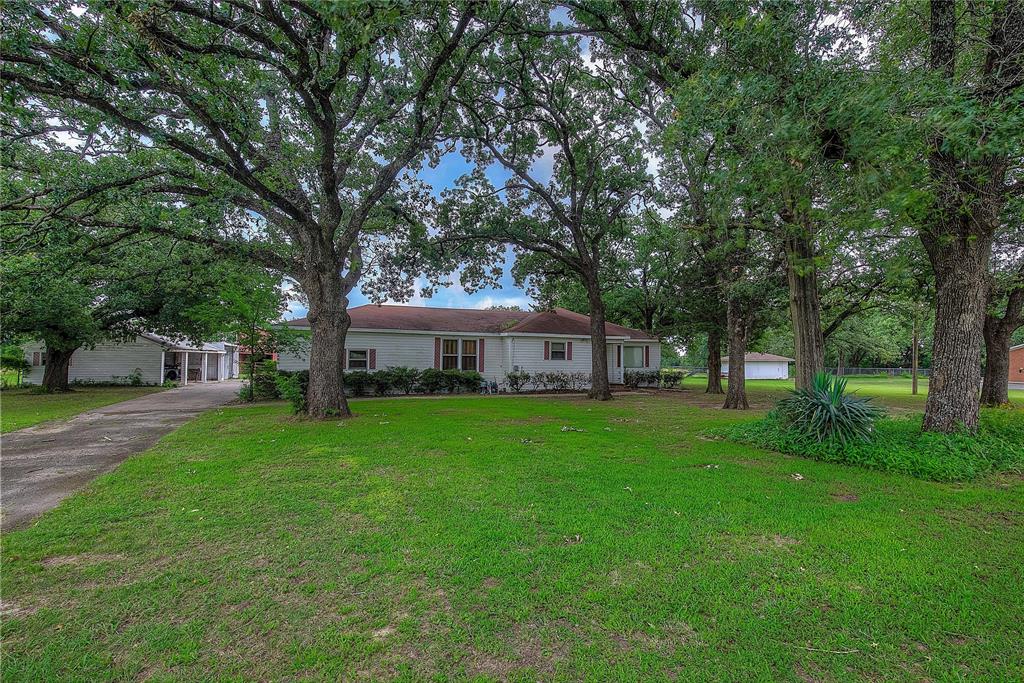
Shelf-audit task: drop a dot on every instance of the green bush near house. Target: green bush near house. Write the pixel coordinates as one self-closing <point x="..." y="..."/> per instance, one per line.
<point x="404" y="379"/>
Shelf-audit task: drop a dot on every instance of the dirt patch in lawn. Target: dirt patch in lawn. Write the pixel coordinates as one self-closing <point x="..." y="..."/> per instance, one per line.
<point x="13" y="610"/>
<point x="525" y="421"/>
<point x="664" y="640"/>
<point x="756" y="400"/>
<point x="527" y="649"/>
<point x="842" y="495"/>
<point x="985" y="520"/>
<point x="85" y="558"/>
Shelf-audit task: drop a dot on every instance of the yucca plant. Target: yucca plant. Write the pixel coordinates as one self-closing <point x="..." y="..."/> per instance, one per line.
<point x="826" y="412"/>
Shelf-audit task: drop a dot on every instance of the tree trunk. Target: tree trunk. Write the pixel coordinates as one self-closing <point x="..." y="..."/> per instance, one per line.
<point x="600" y="389"/>
<point x="738" y="329"/>
<point x="714" y="362"/>
<point x="995" y="387"/>
<point x="804" y="306"/>
<point x="961" y="294"/>
<point x="55" y="374"/>
<point x="997" y="332"/>
<point x="969" y="195"/>
<point x="329" y="322"/>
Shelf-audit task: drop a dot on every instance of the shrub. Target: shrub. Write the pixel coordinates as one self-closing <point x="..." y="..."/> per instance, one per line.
<point x="452" y="381"/>
<point x="294" y="386"/>
<point x="635" y="379"/>
<point x="579" y="381"/>
<point x="559" y="381"/>
<point x="899" y="445"/>
<point x="433" y="380"/>
<point x="469" y="380"/>
<point x="517" y="381"/>
<point x="541" y="380"/>
<point x="670" y="379"/>
<point x="135" y="377"/>
<point x="382" y="381"/>
<point x="404" y="379"/>
<point x="263" y="383"/>
<point x="826" y="412"/>
<point x="357" y="381"/>
<point x="169" y="384"/>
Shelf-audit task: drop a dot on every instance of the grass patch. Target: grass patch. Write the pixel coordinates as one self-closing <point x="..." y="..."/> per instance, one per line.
<point x="899" y="445"/>
<point x="24" y="407"/>
<point x="473" y="538"/>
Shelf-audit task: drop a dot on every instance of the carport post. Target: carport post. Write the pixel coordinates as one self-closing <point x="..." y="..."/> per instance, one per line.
<point x="206" y="363"/>
<point x="162" y="352"/>
<point x="184" y="375"/>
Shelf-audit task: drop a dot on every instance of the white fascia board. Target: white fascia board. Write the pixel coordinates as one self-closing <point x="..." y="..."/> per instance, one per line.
<point x="454" y="333"/>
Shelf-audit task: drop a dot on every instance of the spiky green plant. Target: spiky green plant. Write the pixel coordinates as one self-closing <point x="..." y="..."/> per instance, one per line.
<point x="826" y="412"/>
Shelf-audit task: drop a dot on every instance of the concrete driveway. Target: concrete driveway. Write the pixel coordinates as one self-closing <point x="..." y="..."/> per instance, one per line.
<point x="42" y="465"/>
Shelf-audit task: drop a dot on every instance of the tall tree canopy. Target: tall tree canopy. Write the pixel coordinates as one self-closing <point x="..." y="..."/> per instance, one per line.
<point x="534" y="100"/>
<point x="299" y="116"/>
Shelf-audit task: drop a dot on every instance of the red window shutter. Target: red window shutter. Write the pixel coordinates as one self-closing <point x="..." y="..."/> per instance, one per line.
<point x="647" y="356"/>
<point x="35" y="358"/>
<point x="480" y="355"/>
<point x="344" y="359"/>
<point x="437" y="353"/>
<point x="372" y="353"/>
<point x="547" y="350"/>
<point x="568" y="350"/>
<point x="618" y="356"/>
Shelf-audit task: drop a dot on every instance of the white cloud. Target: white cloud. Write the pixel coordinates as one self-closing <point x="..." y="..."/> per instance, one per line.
<point x="523" y="302"/>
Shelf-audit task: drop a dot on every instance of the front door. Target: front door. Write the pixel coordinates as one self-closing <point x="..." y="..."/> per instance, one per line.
<point x="614" y="367"/>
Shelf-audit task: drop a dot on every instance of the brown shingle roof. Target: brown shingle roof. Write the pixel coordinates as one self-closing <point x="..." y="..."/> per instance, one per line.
<point x="429" y="319"/>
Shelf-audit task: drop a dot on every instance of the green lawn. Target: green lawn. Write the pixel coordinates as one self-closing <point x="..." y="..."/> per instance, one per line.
<point x="20" y="408"/>
<point x="475" y="538"/>
<point x="893" y="392"/>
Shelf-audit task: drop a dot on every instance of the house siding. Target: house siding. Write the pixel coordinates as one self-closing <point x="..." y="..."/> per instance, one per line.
<point x="105" y="362"/>
<point x="502" y="354"/>
<point x="400" y="349"/>
<point x="759" y="369"/>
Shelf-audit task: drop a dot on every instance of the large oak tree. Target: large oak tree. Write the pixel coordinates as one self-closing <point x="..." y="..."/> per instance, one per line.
<point x="301" y="116"/>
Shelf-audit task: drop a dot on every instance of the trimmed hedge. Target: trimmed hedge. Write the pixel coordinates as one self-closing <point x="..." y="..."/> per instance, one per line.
<point x="293" y="386"/>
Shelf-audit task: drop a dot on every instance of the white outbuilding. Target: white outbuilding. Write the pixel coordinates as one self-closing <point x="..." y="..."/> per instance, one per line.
<point x="763" y="366"/>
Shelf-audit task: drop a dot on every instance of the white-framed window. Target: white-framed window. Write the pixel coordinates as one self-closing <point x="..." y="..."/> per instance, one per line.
<point x="557" y="350"/>
<point x="449" y="354"/>
<point x="468" y="354"/>
<point x="459" y="354"/>
<point x="358" y="359"/>
<point x="633" y="356"/>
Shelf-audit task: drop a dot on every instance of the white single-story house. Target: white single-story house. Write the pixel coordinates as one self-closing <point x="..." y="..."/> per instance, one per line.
<point x="762" y="366"/>
<point x="151" y="357"/>
<point x="492" y="342"/>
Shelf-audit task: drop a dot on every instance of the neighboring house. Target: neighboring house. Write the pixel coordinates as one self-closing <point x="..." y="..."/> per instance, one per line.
<point x="1016" y="371"/>
<point x="763" y="366"/>
<point x="151" y="357"/>
<point x="493" y="342"/>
